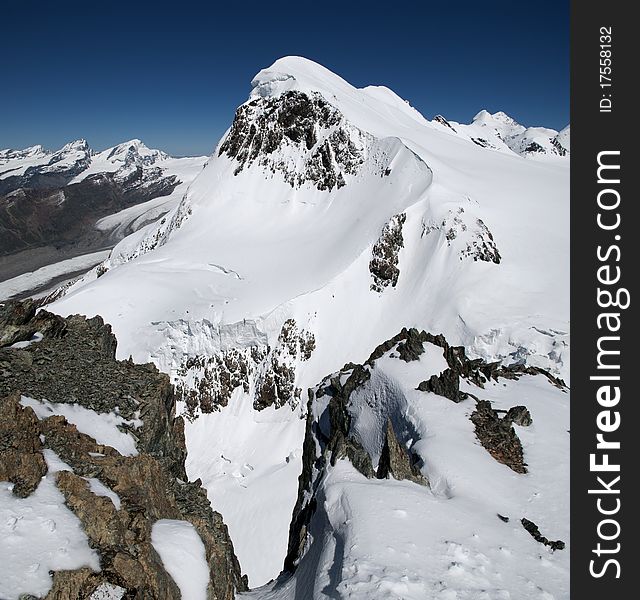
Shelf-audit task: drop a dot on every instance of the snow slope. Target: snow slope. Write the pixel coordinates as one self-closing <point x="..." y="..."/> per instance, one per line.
<point x="348" y="212"/>
<point x="183" y="556"/>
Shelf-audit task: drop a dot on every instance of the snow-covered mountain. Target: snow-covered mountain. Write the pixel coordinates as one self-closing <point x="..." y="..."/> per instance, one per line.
<point x="328" y="219"/>
<point x="57" y="206"/>
<point x="498" y="131"/>
<point x="75" y="161"/>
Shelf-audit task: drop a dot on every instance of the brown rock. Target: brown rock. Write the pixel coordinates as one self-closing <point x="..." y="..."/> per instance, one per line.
<point x="72" y="585"/>
<point x="21" y="459"/>
<point x="498" y="437"/>
<point x="75" y="363"/>
<point x="395" y="460"/>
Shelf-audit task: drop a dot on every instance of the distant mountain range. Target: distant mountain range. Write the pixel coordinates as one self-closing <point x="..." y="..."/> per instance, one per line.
<point x="58" y="205"/>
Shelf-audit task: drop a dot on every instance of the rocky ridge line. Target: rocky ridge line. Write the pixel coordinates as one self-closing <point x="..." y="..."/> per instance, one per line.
<point x="74" y="362"/>
<point x="321" y="450"/>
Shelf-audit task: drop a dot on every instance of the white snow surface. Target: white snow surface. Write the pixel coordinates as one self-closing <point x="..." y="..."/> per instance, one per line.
<point x="100" y="489"/>
<point x="39" y="534"/>
<point x="297" y="250"/>
<point x="249" y="462"/>
<point x="244" y="252"/>
<point x="102" y="427"/>
<point x="183" y="556"/>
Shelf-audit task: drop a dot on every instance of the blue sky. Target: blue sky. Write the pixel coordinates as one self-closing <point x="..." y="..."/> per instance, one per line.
<point x="172" y="74"/>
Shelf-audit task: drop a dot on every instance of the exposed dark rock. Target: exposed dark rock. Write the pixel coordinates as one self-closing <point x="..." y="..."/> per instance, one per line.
<point x="411" y="348"/>
<point x="384" y="261"/>
<point x="471" y="237"/>
<point x="19" y="322"/>
<point x="519" y="415"/>
<point x="446" y="384"/>
<point x="307" y="122"/>
<point x="307" y="344"/>
<point x="80" y="367"/>
<point x="396" y="462"/>
<point x="532" y="528"/>
<point x="496" y="370"/>
<point x="206" y="383"/>
<point x="276" y="386"/>
<point x="482" y="246"/>
<point x="276" y="383"/>
<point x="21" y="459"/>
<point x="213" y="379"/>
<point x="482" y="142"/>
<point x="559" y="148"/>
<point x="440" y="119"/>
<point x="533" y="148"/>
<point x="305" y="504"/>
<point x="498" y="437"/>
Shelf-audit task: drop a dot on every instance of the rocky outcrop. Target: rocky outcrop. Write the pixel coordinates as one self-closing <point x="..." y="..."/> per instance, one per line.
<point x="341" y="442"/>
<point x="396" y="462"/>
<point x="206" y="383"/>
<point x="275" y="385"/>
<point x="498" y="437"/>
<point x="332" y="407"/>
<point x="328" y="148"/>
<point x="534" y="531"/>
<point x="338" y="444"/>
<point x="440" y="119"/>
<point x="383" y="265"/>
<point x="469" y="236"/>
<point x="21" y="459"/>
<point x="78" y="366"/>
<point x="519" y="415"/>
<point x="20" y="323"/>
<point x="75" y="363"/>
<point x="446" y="384"/>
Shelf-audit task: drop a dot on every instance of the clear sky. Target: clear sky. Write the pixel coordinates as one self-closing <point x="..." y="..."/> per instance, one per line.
<point x="172" y="74"/>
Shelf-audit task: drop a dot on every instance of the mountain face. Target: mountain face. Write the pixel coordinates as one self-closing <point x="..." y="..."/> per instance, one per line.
<point x="57" y="205"/>
<point x="365" y="316"/>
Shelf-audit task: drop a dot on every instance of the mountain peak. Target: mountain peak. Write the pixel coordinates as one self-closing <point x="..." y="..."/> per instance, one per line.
<point x="296" y="72"/>
<point x="80" y="144"/>
<point x="134" y="151"/>
<point x="485" y="117"/>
